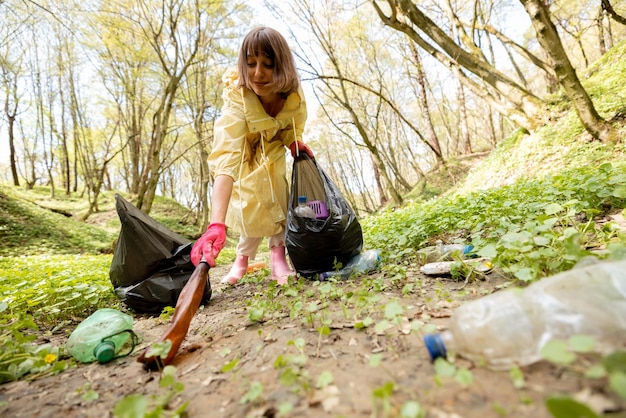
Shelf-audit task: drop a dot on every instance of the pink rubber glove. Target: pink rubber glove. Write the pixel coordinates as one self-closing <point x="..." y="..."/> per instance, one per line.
<point x="209" y="244"/>
<point x="302" y="147"/>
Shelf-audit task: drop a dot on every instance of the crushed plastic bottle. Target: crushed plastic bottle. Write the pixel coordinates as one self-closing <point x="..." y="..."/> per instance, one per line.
<point x="104" y="335"/>
<point x="438" y="268"/>
<point x="443" y="252"/>
<point x="303" y="210"/>
<point x="510" y="327"/>
<point x="361" y="263"/>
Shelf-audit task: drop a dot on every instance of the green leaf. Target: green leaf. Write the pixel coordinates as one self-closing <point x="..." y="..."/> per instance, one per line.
<point x="430" y="329"/>
<point x="285" y="408"/>
<point x="557" y="352"/>
<point x="617" y="382"/>
<point x="230" y="365"/>
<point x="517" y="377"/>
<point x="615" y="362"/>
<point x="254" y="393"/>
<point x="385" y="391"/>
<point x="581" y="343"/>
<point x="620" y="192"/>
<point x="553" y="208"/>
<point x="90" y="395"/>
<point x="167" y="380"/>
<point x="280" y="362"/>
<point x="298" y="343"/>
<point x="381" y="327"/>
<point x="364" y="324"/>
<point x="159" y="349"/>
<point x="566" y="407"/>
<point x="411" y="409"/>
<point x="375" y="360"/>
<point x="288" y="377"/>
<point x="443" y="368"/>
<point x="464" y="377"/>
<point x="324" y="379"/>
<point x="297" y="360"/>
<point x="323" y="330"/>
<point x="393" y="309"/>
<point x="542" y="240"/>
<point x="488" y="251"/>
<point x="256" y="314"/>
<point x="169" y="370"/>
<point x="133" y="406"/>
<point x="525" y="274"/>
<point x="596" y="371"/>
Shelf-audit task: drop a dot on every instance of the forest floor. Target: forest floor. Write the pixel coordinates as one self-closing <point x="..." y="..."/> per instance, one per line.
<point x="231" y="366"/>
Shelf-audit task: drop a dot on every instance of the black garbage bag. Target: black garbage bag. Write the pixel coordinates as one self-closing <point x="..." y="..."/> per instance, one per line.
<point x="151" y="264"/>
<point x="335" y="236"/>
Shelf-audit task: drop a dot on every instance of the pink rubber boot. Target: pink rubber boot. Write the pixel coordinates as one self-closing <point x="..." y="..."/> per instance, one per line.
<point x="237" y="271"/>
<point x="280" y="269"/>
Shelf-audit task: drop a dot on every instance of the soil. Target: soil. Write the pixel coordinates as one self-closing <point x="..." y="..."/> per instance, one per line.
<point x="222" y="332"/>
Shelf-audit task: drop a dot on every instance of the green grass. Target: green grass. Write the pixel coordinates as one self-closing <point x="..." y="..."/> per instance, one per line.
<point x="31" y="222"/>
<point x="27" y="228"/>
<point x="530" y="229"/>
<point x="56" y="288"/>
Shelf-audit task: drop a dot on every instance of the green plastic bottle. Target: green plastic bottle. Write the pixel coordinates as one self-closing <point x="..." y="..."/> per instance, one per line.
<point x="104" y="335"/>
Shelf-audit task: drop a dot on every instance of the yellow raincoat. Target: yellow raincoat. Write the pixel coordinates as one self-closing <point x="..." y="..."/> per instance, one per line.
<point x="249" y="146"/>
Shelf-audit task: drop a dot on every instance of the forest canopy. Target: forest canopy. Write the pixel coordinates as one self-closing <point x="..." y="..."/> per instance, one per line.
<point x="122" y="96"/>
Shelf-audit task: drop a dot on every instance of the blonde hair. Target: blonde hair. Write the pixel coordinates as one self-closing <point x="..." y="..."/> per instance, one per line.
<point x="271" y="43"/>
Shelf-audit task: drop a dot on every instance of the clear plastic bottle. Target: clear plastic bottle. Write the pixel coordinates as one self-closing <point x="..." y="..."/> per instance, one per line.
<point x="510" y="327"/>
<point x="303" y="210"/>
<point x="443" y="252"/>
<point x="360" y="263"/>
<point x="104" y="335"/>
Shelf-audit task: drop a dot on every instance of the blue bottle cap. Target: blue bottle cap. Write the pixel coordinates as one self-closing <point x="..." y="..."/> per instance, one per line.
<point x="301" y="199"/>
<point x="435" y="346"/>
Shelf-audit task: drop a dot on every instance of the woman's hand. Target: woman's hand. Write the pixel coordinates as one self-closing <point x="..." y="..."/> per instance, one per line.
<point x="297" y="147"/>
<point x="209" y="244"/>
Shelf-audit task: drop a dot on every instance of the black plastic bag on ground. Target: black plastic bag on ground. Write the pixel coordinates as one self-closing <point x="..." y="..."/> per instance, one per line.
<point x="151" y="264"/>
<point x="316" y="245"/>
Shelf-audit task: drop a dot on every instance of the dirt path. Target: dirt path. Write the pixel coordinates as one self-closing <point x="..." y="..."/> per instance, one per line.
<point x="278" y="363"/>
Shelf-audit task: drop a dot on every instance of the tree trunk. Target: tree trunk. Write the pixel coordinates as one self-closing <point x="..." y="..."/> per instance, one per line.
<point x="10" y="110"/>
<point x="420" y="77"/>
<point x="465" y="135"/>
<point x="379" y="184"/>
<point x="600" y="27"/>
<point x="161" y="118"/>
<point x="551" y="43"/>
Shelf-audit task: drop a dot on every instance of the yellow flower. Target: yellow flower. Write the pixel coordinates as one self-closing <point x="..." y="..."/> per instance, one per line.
<point x="50" y="358"/>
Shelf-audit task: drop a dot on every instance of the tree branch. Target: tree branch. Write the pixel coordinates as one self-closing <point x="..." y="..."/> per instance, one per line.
<point x="606" y="6"/>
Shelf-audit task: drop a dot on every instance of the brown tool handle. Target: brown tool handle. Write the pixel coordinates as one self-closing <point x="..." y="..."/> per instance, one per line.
<point x="186" y="307"/>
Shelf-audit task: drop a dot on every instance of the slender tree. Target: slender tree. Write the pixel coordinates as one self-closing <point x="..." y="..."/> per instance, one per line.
<point x="10" y="76"/>
<point x="419" y="76"/>
<point x="550" y="41"/>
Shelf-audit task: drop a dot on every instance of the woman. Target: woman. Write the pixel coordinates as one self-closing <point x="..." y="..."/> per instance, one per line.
<point x="264" y="111"/>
